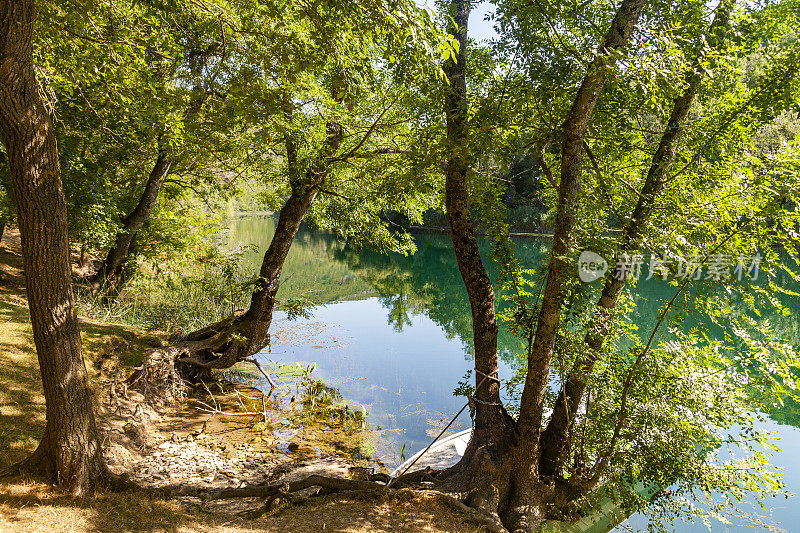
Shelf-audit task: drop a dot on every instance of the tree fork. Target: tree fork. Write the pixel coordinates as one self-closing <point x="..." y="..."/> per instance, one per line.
<point x="568" y="400"/>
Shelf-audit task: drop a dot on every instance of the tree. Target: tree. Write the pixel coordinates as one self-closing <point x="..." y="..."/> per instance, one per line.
<point x="70" y="451"/>
<point x="514" y="471"/>
<point x="135" y="88"/>
<point x="331" y="95"/>
<point x="499" y="464"/>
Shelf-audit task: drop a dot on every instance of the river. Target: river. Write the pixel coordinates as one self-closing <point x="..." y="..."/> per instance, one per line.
<point x="392" y="333"/>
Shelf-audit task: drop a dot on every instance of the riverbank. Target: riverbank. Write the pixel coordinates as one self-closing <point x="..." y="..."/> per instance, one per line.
<point x="175" y="444"/>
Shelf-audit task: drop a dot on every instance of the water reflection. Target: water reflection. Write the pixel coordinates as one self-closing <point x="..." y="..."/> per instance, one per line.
<point x="398" y="337"/>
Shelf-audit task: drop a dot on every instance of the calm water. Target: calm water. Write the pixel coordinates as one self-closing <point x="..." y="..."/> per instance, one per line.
<point x="393" y="335"/>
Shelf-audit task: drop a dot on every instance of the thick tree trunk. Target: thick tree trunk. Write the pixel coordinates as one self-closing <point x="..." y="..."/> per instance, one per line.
<point x="569" y="191"/>
<point x="111" y="274"/>
<point x="2" y="228"/>
<point x="555" y="437"/>
<point x="70" y="451"/>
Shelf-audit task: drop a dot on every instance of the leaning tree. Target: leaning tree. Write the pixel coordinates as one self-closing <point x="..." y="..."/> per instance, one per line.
<point x="326" y="119"/>
<point x="136" y="89"/>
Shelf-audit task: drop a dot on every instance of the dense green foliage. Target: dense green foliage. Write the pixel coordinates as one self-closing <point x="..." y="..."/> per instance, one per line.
<point x="250" y="98"/>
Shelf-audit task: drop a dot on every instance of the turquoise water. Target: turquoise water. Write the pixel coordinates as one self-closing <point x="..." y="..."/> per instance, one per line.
<point x="393" y="335"/>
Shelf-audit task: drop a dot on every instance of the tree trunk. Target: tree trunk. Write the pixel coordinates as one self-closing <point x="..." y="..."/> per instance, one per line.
<point x="111" y="275"/>
<point x="499" y="467"/>
<point x="240" y="336"/>
<point x="2" y="228"/>
<point x="490" y="418"/>
<point x="555" y="437"/>
<point x="70" y="450"/>
<point x="493" y="427"/>
<point x="569" y="191"/>
<point x="84" y="260"/>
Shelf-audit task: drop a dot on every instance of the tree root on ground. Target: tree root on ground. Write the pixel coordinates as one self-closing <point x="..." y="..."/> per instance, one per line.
<point x="38" y="467"/>
<point x="284" y="492"/>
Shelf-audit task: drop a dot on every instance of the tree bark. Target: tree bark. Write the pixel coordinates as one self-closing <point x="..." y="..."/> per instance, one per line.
<point x="499" y="466"/>
<point x="555" y="437"/>
<point x="70" y="450"/>
<point x="490" y="418"/>
<point x="569" y="192"/>
<point x="483" y="468"/>
<point x="111" y="274"/>
<point x="2" y="228"/>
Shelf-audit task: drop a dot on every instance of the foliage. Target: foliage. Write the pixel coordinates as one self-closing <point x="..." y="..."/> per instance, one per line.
<point x="661" y="403"/>
<point x="180" y="293"/>
<point x="253" y="100"/>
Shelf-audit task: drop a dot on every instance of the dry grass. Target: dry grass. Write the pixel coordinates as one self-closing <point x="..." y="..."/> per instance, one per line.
<point x="28" y="507"/>
<point x="33" y="508"/>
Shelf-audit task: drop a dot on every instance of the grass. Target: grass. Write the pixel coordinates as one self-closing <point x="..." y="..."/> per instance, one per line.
<point x="31" y="507"/>
<point x="27" y="508"/>
<point x="22" y="408"/>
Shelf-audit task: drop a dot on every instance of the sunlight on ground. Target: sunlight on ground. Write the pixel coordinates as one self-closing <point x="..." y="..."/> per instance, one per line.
<point x="27" y="507"/>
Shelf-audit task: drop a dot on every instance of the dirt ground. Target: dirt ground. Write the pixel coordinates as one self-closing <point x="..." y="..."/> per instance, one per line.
<point x="27" y="506"/>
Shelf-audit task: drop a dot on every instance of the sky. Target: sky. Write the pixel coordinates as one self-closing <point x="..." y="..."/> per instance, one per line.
<point x="479" y="29"/>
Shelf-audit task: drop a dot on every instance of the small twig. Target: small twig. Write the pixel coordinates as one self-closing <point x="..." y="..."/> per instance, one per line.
<point x="216" y="405"/>
<point x="261" y="369"/>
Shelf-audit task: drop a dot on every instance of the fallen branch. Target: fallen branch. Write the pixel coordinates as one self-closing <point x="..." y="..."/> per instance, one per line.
<point x="263" y="372"/>
<point x="267" y="491"/>
<point x="283" y="491"/>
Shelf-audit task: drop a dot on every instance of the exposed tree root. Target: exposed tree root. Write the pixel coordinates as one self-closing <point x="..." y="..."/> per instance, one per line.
<point x="471" y="503"/>
<point x="284" y="492"/>
<point x="191" y="358"/>
<point x="39" y="466"/>
<point x="490" y="520"/>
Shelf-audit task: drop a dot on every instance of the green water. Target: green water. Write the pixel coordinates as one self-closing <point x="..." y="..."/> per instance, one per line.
<point x="394" y="336"/>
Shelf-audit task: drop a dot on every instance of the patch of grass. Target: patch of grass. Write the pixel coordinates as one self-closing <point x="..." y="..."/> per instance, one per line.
<point x="22" y="407"/>
<point x="21" y="397"/>
<point x="27" y="507"/>
<point x="178" y="295"/>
